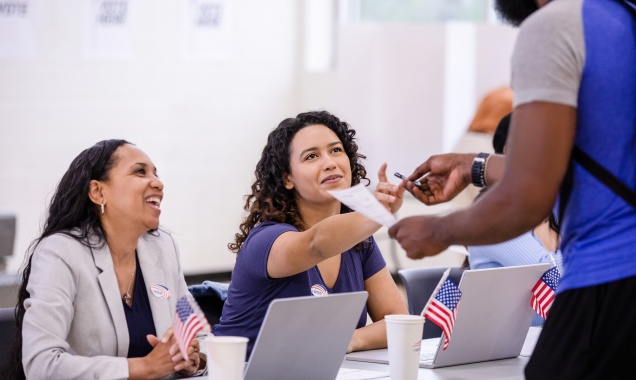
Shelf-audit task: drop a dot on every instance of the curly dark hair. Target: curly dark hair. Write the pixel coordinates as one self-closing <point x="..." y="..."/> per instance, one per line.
<point x="71" y="212"/>
<point x="270" y="200"/>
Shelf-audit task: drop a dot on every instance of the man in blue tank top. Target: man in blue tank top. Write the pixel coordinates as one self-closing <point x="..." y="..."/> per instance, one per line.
<point x="574" y="82"/>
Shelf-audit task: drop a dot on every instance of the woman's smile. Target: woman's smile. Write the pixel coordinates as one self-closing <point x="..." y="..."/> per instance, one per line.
<point x="331" y="179"/>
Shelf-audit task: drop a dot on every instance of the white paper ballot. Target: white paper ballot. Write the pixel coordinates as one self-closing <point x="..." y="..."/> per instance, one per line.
<point x="359" y="199"/>
<point x="360" y="374"/>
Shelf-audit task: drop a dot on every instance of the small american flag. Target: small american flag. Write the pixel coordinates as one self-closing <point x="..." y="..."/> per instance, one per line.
<point x="544" y="292"/>
<point x="443" y="308"/>
<point x="188" y="321"/>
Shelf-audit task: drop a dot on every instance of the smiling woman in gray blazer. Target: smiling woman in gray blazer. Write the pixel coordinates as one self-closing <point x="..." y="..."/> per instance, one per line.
<point x="103" y="279"/>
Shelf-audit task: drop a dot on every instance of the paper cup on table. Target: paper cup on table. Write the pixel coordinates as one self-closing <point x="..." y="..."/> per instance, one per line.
<point x="404" y="338"/>
<point x="226" y="357"/>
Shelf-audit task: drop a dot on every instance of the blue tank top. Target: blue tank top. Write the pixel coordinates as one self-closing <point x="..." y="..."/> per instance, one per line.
<point x="599" y="228"/>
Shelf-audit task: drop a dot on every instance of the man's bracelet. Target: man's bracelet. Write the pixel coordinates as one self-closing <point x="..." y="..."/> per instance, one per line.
<point x="478" y="174"/>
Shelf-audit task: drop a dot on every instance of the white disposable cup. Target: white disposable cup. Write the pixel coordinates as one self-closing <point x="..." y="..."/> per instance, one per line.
<point x="226" y="357"/>
<point x="404" y="338"/>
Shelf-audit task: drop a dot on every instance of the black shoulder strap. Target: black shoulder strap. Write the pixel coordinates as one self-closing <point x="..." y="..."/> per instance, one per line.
<point x="603" y="175"/>
<point x="598" y="171"/>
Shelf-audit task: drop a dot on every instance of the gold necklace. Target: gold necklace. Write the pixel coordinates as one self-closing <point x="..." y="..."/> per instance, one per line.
<point x="127" y="297"/>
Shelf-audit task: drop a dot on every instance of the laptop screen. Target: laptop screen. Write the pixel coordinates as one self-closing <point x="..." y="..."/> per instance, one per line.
<point x="492" y="319"/>
<point x="305" y="337"/>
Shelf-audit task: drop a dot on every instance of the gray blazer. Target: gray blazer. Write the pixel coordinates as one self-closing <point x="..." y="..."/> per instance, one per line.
<point x="74" y="326"/>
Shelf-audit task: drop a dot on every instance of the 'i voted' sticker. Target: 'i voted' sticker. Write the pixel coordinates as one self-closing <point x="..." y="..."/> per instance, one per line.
<point x="319" y="290"/>
<point x="160" y="291"/>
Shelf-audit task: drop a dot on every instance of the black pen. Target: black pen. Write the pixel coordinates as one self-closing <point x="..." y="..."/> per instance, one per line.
<point x="416" y="182"/>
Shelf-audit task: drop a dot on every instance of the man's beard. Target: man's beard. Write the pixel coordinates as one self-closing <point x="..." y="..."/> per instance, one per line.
<point x="515" y="11"/>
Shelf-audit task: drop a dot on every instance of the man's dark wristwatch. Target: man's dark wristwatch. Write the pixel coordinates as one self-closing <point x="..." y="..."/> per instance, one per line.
<point x="478" y="174"/>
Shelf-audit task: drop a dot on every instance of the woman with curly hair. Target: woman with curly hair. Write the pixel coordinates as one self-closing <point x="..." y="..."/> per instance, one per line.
<point x="297" y="240"/>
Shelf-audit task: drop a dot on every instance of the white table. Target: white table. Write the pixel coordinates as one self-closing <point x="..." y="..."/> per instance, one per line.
<point x="496" y="369"/>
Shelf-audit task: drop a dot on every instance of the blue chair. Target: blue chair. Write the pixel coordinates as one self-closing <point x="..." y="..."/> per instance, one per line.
<point x="211" y="296"/>
<point x="8" y="330"/>
<point x="419" y="284"/>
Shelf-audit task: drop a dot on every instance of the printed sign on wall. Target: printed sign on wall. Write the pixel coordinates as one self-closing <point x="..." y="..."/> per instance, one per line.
<point x="108" y="30"/>
<point x="18" y="29"/>
<point x="208" y="30"/>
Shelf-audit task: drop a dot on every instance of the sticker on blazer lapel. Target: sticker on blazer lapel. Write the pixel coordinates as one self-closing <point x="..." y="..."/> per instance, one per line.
<point x="160" y="291"/>
<point x="319" y="290"/>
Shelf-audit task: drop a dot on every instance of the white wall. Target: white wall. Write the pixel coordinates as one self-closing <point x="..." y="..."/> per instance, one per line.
<point x="204" y="123"/>
<point x="411" y="90"/>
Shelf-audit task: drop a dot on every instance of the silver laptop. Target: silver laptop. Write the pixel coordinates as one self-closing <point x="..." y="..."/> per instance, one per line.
<point x="492" y="321"/>
<point x="305" y="337"/>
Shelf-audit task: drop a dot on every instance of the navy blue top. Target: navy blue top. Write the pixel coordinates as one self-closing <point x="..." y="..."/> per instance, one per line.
<point x="251" y="290"/>
<point x="139" y="318"/>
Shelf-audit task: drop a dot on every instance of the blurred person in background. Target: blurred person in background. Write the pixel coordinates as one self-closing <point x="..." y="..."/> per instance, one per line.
<point x="539" y="245"/>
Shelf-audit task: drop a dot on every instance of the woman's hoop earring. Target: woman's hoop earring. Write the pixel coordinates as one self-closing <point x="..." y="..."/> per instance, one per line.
<point x="102" y="209"/>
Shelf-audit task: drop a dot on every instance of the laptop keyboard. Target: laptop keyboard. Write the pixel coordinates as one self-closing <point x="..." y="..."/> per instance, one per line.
<point x="427" y="354"/>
